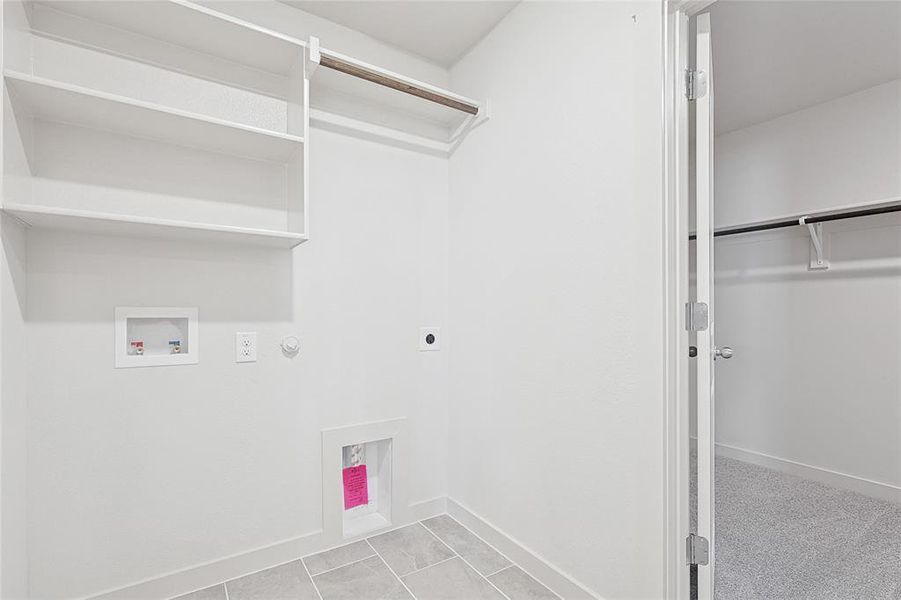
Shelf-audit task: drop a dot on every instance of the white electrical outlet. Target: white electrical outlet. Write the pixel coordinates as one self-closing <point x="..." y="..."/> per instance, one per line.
<point x="429" y="339"/>
<point x="246" y="346"/>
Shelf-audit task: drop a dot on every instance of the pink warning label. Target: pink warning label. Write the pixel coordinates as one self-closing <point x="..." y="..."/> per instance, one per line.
<point x="356" y="490"/>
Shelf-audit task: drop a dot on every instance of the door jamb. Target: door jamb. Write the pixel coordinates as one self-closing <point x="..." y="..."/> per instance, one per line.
<point x="676" y="273"/>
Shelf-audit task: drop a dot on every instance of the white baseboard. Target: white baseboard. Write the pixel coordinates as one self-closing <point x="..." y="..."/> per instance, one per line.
<point x="868" y="487"/>
<point x="549" y="575"/>
<point x="172" y="584"/>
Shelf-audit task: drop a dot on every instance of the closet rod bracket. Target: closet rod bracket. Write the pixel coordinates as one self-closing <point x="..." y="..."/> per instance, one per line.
<point x="818" y="260"/>
<point x="314" y="57"/>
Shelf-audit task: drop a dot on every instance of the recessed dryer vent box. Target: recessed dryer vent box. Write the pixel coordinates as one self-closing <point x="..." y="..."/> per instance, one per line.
<point x="363" y="478"/>
<point x="156" y="336"/>
<point x="366" y="483"/>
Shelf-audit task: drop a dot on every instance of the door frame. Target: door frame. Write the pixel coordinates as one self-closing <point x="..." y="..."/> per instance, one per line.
<point x="676" y="14"/>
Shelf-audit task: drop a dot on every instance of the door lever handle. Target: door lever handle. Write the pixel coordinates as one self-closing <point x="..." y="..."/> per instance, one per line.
<point x="725" y="353"/>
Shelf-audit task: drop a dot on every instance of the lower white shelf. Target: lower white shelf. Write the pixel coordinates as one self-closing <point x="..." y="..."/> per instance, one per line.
<point x="46" y="217"/>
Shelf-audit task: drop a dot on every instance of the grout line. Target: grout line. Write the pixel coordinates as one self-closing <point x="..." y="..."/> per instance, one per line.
<point x="343" y="544"/>
<point x="312" y="581"/>
<point x="432" y="565"/>
<point x="401" y="581"/>
<point x="388" y="529"/>
<point x="483" y="541"/>
<point x="510" y="566"/>
<point x="281" y="564"/>
<point x="382" y="559"/>
<point x="224" y="584"/>
<point x="371" y="547"/>
<point x="466" y="561"/>
<point x="353" y="562"/>
<point x="478" y="537"/>
<point x="513" y="563"/>
<point x="206" y="587"/>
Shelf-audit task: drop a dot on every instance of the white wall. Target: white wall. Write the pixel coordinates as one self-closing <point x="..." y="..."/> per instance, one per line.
<point x="13" y="411"/>
<point x="815" y="378"/>
<point x="13" y="297"/>
<point x="136" y="473"/>
<point x="842" y="152"/>
<point x="551" y="427"/>
<point x="556" y="330"/>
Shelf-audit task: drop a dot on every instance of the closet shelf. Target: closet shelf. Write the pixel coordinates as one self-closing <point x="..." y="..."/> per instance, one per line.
<point x="44" y="217"/>
<point x="75" y="105"/>
<point x="196" y="27"/>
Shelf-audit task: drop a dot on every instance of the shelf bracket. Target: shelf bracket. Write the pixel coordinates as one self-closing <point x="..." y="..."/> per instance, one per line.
<point x="818" y="260"/>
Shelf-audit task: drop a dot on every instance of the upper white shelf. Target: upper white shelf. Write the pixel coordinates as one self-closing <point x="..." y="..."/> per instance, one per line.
<point x="46" y="217"/>
<point x="823" y="212"/>
<point x="196" y="27"/>
<point x="66" y="103"/>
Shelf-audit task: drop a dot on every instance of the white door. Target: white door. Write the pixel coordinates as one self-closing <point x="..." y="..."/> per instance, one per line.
<point x="703" y="99"/>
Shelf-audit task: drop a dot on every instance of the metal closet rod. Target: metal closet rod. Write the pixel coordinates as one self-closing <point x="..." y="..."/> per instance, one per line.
<point x="804" y="220"/>
<point x="401" y="86"/>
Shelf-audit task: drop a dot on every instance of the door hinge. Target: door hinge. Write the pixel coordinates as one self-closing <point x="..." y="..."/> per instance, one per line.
<point x="696" y="316"/>
<point x="697" y="550"/>
<point x="695" y="84"/>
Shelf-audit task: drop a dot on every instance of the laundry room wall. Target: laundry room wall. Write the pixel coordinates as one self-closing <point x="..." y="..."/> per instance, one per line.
<point x="556" y="287"/>
<point x="134" y="474"/>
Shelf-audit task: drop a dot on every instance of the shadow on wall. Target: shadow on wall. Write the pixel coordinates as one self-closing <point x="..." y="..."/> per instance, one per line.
<point x="13" y="236"/>
<point x="77" y="278"/>
<point x="102" y="164"/>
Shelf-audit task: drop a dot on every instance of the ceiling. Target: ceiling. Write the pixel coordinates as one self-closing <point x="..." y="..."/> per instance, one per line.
<point x="774" y="57"/>
<point x="440" y="30"/>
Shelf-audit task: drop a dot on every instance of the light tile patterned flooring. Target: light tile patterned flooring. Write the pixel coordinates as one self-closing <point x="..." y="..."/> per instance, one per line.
<point x="436" y="559"/>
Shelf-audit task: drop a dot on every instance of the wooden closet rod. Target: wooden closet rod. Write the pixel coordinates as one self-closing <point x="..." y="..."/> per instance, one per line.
<point x="357" y="71"/>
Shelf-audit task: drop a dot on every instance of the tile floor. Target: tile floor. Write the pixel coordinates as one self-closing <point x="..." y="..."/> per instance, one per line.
<point x="436" y="559"/>
<point x="781" y="537"/>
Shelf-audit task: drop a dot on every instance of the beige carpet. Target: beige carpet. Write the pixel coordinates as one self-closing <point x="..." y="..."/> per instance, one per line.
<point x="781" y="537"/>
